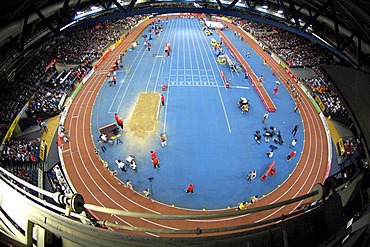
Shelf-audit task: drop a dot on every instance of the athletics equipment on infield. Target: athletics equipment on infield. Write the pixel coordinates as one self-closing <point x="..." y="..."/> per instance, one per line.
<point x="270" y="171"/>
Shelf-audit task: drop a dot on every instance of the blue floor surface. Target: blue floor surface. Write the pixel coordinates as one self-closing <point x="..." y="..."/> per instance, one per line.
<point x="210" y="141"/>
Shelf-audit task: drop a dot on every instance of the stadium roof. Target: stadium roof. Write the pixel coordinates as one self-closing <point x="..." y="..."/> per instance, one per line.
<point x="348" y="19"/>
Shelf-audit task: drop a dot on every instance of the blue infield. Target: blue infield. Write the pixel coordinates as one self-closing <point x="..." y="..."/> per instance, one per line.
<point x="210" y="140"/>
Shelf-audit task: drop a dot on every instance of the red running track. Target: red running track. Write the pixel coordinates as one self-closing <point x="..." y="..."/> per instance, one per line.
<point x="266" y="100"/>
<point x="98" y="187"/>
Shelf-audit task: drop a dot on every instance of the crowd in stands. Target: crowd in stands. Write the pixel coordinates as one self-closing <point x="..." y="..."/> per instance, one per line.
<point x="299" y="52"/>
<point x="350" y="145"/>
<point x="295" y="50"/>
<point x="45" y="101"/>
<point x="13" y="98"/>
<point x="330" y="99"/>
<point x="20" y="151"/>
<point x="89" y="43"/>
<point x="58" y="181"/>
<point x="39" y="83"/>
<point x="37" y="78"/>
<point x="21" y="157"/>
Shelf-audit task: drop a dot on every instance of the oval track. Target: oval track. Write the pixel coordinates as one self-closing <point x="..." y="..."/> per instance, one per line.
<point x="99" y="187"/>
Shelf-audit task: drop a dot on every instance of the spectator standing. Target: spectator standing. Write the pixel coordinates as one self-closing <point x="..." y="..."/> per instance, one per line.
<point x="39" y="121"/>
<point x="294" y="131"/>
<point x="163" y="139"/>
<point x="43" y="125"/>
<point x="252" y="175"/>
<point x="155" y="163"/>
<point x="130" y="160"/>
<point x="118" y="120"/>
<point x="270" y="153"/>
<point x="121" y="165"/>
<point x="166" y="49"/>
<point x="162" y="99"/>
<point x="260" y="79"/>
<point x="265" y="116"/>
<point x="169" y="49"/>
<point x="104" y="138"/>
<point x="241" y="206"/>
<point x="254" y="199"/>
<point x="120" y="123"/>
<point x="129" y="184"/>
<point x="153" y="154"/>
<point x="146" y="193"/>
<point x="294" y="142"/>
<point x="297" y="107"/>
<point x="116" y="117"/>
<point x="246" y="76"/>
<point x="101" y="145"/>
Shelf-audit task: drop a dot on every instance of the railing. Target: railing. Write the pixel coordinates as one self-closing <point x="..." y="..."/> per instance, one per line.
<point x="73" y="206"/>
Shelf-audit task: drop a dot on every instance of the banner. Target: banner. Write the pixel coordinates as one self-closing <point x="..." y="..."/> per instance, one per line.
<point x="341" y="149"/>
<point x="318" y="100"/>
<point x="87" y="76"/>
<point x="43" y="149"/>
<point x="276" y="58"/>
<point x="291" y="75"/>
<point x="11" y="129"/>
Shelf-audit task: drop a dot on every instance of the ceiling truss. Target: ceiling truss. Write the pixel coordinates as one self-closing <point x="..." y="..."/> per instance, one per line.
<point x="339" y="13"/>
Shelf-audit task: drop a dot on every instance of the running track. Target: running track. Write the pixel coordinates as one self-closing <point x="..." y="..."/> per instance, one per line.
<point x="88" y="176"/>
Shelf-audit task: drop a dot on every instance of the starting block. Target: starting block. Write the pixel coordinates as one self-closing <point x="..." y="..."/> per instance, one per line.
<point x="164" y="87"/>
<point x="270" y="171"/>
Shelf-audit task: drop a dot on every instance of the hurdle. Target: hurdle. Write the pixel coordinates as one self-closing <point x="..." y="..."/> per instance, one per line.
<point x="270" y="171"/>
<point x="226" y="82"/>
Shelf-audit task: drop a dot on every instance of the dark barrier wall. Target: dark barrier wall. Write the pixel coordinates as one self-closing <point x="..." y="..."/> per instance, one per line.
<point x="318" y="227"/>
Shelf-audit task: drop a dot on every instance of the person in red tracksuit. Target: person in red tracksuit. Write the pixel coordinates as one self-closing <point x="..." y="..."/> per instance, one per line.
<point x="162" y="99"/>
<point x="291" y="155"/>
<point x="190" y="188"/>
<point x="155" y="163"/>
<point x="153" y="154"/>
<point x="120" y="123"/>
<point x="168" y="49"/>
<point x="118" y="120"/>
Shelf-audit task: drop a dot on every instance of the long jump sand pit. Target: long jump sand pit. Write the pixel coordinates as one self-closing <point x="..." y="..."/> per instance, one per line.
<point x="144" y="115"/>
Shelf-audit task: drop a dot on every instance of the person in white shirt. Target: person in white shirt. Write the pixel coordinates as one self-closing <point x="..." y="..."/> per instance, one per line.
<point x="294" y="142"/>
<point x="121" y="165"/>
<point x="104" y="138"/>
<point x="129" y="184"/>
<point x="130" y="160"/>
<point x="265" y="116"/>
<point x="252" y="175"/>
